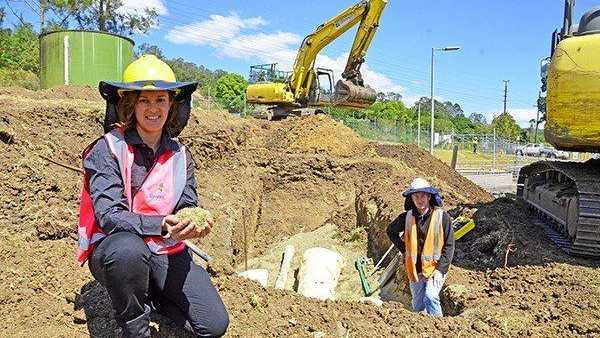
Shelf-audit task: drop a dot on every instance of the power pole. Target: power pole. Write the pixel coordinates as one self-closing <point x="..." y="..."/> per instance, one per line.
<point x="505" y="93"/>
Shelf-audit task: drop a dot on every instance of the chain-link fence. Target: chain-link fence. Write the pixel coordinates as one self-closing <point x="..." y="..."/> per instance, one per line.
<point x="476" y="152"/>
<point x="385" y="131"/>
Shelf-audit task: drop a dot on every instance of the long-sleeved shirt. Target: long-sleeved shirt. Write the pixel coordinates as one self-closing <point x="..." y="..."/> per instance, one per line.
<point x="107" y="188"/>
<point x="397" y="226"/>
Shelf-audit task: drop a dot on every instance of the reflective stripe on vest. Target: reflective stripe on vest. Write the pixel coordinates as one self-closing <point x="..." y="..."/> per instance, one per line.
<point x="158" y="195"/>
<point x="432" y="246"/>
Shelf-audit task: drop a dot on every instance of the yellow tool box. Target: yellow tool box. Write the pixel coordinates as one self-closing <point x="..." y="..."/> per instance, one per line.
<point x="462" y="225"/>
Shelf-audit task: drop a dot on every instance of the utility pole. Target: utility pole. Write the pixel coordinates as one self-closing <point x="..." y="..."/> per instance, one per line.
<point x="42" y="15"/>
<point x="431" y="130"/>
<point x="505" y="93"/>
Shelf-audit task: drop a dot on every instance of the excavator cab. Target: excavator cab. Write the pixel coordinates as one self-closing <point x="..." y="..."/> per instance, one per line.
<point x="323" y="93"/>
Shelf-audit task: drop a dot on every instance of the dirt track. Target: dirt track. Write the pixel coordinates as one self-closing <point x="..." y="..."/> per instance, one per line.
<point x="274" y="180"/>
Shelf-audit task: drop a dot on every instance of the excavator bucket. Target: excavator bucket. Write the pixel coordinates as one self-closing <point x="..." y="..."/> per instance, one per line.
<point x="348" y="94"/>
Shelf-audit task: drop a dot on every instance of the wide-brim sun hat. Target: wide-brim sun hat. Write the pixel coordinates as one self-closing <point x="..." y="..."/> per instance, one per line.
<point x="148" y="73"/>
<point x="421" y="185"/>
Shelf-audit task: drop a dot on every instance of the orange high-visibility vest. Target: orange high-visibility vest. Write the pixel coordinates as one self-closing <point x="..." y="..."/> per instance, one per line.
<point x="158" y="195"/>
<point x="432" y="246"/>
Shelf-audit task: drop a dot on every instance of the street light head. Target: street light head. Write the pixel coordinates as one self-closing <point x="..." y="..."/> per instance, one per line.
<point x="450" y="48"/>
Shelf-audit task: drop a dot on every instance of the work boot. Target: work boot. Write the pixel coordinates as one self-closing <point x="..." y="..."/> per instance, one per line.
<point x="137" y="327"/>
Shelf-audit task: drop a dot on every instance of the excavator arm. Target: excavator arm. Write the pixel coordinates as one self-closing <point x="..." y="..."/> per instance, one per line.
<point x="352" y="92"/>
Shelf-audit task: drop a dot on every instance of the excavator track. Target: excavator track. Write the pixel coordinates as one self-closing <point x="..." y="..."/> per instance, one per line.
<point x="567" y="193"/>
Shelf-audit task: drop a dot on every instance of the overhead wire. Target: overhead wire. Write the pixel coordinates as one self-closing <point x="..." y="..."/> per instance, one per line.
<point x="394" y="75"/>
<point x="416" y="77"/>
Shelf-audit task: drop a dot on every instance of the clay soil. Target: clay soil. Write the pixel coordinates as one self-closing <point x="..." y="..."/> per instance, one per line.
<point x="269" y="182"/>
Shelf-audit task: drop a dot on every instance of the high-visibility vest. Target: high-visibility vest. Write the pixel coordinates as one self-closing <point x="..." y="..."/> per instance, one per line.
<point x="432" y="246"/>
<point x="158" y="195"/>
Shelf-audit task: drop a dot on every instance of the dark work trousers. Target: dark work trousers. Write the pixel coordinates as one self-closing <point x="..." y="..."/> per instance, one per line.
<point x="134" y="276"/>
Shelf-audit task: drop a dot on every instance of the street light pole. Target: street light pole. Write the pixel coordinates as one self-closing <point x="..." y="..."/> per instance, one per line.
<point x="432" y="131"/>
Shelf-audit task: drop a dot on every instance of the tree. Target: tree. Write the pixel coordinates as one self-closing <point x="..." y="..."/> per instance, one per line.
<point x="477" y="118"/>
<point x="146" y="48"/>
<point x="389" y="96"/>
<point x="105" y="15"/>
<point x="2" y="15"/>
<point x="20" y="48"/>
<point x="507" y="127"/>
<point x="184" y="70"/>
<point x="463" y="125"/>
<point x="230" y="92"/>
<point x="389" y="110"/>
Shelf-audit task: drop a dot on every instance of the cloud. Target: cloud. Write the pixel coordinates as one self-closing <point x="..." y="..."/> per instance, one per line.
<point x="410" y="100"/>
<point x="217" y="31"/>
<point x="229" y="37"/>
<point x="274" y="47"/>
<point x="134" y="6"/>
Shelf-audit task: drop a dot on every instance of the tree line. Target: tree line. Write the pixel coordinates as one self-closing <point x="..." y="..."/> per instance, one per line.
<point x="449" y="117"/>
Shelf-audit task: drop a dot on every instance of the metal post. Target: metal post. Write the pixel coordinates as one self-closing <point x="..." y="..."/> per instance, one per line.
<point x="209" y="98"/>
<point x="454" y="155"/>
<point x="432" y="105"/>
<point x="419" y="125"/>
<point x="494" y="149"/>
<point x="537" y="120"/>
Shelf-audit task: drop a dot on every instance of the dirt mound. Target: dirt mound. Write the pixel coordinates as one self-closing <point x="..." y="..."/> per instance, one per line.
<point x="264" y="182"/>
<point x="87" y="93"/>
<point x="507" y="234"/>
<point x="317" y="134"/>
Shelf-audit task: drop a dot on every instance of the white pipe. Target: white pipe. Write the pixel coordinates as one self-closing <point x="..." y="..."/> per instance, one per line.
<point x="288" y="254"/>
<point x="319" y="273"/>
<point x="66" y="59"/>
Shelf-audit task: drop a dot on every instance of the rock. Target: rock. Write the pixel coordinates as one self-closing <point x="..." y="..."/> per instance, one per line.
<point x="258" y="275"/>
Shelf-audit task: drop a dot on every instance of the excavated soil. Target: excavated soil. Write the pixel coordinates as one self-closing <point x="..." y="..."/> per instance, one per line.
<point x="267" y="183"/>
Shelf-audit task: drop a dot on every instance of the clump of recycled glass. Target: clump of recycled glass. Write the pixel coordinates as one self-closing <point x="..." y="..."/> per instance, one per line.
<point x="197" y="215"/>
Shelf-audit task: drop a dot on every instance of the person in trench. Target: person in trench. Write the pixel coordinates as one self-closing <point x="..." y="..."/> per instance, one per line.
<point x="425" y="237"/>
<point x="136" y="177"/>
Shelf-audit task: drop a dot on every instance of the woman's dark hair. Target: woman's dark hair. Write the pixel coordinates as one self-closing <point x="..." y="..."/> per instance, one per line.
<point x="126" y="110"/>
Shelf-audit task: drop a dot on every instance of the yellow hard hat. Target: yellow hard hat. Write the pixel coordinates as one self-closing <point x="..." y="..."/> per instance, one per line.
<point x="148" y="73"/>
<point x="148" y="68"/>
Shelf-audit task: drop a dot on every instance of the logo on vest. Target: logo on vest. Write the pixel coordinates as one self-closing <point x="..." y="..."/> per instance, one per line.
<point x="159" y="194"/>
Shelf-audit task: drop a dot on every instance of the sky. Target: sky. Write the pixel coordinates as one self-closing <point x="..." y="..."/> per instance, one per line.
<point x="499" y="40"/>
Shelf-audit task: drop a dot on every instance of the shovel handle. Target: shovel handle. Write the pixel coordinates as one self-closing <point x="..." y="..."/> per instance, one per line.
<point x="196" y="250"/>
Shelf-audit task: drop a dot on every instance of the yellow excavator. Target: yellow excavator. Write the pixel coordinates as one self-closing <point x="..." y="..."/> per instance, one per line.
<point x="567" y="194"/>
<point x="306" y="89"/>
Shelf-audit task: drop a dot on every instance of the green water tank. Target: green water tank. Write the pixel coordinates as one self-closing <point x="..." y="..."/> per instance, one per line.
<point x="77" y="57"/>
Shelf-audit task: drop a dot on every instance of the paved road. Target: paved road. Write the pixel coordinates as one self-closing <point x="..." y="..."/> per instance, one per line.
<point x="495" y="183"/>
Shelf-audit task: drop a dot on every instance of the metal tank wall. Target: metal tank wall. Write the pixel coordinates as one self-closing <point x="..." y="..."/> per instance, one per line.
<point x="75" y="57"/>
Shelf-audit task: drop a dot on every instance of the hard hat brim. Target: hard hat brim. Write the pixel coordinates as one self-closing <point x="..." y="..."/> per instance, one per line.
<point x="429" y="190"/>
<point x="112" y="92"/>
